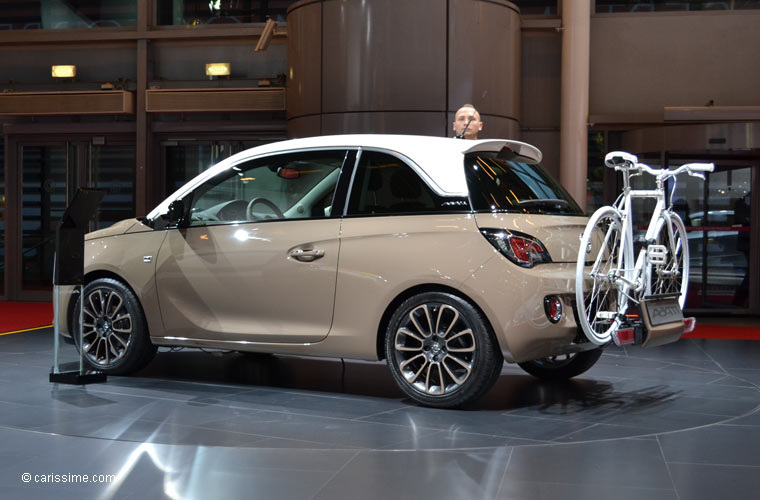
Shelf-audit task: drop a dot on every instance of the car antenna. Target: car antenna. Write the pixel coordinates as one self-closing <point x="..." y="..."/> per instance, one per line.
<point x="461" y="136"/>
<point x="482" y="97"/>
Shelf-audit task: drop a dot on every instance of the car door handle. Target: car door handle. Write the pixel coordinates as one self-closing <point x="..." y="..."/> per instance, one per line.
<point x="306" y="254"/>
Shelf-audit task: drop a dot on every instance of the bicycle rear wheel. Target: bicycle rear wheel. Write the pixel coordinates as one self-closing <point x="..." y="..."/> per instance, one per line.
<point x="672" y="276"/>
<point x="600" y="299"/>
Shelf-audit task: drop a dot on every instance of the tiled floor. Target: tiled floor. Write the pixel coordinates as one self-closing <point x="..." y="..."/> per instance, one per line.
<point x="677" y="422"/>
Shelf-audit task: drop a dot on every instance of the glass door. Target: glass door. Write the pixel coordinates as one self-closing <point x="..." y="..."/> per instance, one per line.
<point x="40" y="187"/>
<point x="184" y="159"/>
<point x="46" y="173"/>
<point x="112" y="168"/>
<point x="718" y="222"/>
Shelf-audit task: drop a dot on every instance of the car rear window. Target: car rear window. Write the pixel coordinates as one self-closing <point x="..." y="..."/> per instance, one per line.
<point x="385" y="185"/>
<point x="501" y="183"/>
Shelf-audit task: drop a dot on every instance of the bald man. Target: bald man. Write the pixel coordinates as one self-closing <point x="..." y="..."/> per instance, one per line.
<point x="467" y="122"/>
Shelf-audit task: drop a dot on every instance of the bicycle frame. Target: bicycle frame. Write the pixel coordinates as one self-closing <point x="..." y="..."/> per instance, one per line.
<point x="635" y="275"/>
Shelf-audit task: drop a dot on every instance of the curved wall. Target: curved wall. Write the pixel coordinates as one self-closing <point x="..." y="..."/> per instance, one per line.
<point x="394" y="66"/>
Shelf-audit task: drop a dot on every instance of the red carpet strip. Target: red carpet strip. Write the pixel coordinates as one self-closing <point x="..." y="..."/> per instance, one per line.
<point x="20" y="316"/>
<point x="724" y="332"/>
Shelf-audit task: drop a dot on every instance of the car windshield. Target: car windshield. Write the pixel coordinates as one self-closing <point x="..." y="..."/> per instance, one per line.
<point x="513" y="184"/>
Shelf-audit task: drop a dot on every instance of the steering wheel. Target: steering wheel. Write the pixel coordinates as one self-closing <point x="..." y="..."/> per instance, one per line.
<point x="249" y="210"/>
<point x="201" y="217"/>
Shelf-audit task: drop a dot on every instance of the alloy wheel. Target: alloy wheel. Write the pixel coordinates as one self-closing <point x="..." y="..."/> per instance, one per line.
<point x="107" y="327"/>
<point x="435" y="349"/>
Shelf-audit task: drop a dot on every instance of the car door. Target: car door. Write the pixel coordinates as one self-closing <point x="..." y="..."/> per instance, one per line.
<point x="256" y="257"/>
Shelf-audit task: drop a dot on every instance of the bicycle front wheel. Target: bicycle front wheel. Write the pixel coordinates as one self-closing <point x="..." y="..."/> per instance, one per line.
<point x="672" y="275"/>
<point x="599" y="294"/>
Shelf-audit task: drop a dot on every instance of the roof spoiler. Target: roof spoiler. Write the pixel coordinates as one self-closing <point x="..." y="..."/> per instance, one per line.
<point x="508" y="149"/>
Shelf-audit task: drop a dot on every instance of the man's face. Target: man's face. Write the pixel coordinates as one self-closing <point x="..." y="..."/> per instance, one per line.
<point x="460" y="122"/>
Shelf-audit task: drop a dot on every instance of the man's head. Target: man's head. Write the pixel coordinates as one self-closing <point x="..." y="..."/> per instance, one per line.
<point x="463" y="117"/>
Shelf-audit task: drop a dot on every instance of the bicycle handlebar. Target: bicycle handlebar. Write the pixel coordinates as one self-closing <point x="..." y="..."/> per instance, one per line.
<point x="620" y="160"/>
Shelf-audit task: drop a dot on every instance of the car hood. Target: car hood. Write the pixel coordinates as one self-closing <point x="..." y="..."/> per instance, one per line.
<point x="560" y="234"/>
<point x="120" y="227"/>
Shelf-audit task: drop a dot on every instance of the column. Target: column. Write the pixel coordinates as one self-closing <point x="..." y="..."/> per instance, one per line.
<point x="576" y="36"/>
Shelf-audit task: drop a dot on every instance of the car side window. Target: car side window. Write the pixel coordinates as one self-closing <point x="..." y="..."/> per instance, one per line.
<point x="385" y="185"/>
<point x="286" y="186"/>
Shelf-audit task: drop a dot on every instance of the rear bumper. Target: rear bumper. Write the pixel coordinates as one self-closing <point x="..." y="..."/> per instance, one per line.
<point x="515" y="308"/>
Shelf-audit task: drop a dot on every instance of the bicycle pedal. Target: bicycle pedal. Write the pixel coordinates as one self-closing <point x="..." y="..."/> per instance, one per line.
<point x="606" y="315"/>
<point x="657" y="254"/>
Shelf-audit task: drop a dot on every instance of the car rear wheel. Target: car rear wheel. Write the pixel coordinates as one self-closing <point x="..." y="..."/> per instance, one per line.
<point x="563" y="366"/>
<point x="441" y="351"/>
<point x="115" y="334"/>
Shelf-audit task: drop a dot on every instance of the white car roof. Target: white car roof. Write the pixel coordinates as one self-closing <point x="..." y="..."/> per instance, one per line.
<point x="438" y="160"/>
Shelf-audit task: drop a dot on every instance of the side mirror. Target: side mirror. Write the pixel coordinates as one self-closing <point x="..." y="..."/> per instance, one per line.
<point x="176" y="213"/>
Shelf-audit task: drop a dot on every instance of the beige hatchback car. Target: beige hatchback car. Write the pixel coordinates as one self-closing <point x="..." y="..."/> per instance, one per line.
<point x="445" y="257"/>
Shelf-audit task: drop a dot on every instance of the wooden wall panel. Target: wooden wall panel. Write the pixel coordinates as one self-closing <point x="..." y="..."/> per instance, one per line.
<point x="217" y="99"/>
<point x="96" y="102"/>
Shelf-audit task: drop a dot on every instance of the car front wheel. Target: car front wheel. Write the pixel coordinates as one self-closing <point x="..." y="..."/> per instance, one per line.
<point x="441" y="351"/>
<point x="114" y="334"/>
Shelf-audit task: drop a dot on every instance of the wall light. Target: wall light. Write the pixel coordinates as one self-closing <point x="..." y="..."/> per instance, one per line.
<point x="64" y="71"/>
<point x="266" y="35"/>
<point x="218" y="69"/>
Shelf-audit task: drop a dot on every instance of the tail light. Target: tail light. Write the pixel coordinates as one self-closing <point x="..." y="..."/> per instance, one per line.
<point x="624" y="336"/>
<point x="521" y="249"/>
<point x="689" y="324"/>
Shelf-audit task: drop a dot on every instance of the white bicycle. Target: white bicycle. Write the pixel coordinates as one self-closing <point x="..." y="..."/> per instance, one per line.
<point x="608" y="280"/>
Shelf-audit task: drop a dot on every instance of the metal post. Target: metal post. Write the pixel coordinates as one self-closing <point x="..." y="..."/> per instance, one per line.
<point x="56" y="341"/>
<point x="80" y="330"/>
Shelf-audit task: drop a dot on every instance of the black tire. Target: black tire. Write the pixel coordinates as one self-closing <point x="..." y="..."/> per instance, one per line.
<point x="562" y="367"/>
<point x="441" y="351"/>
<point x="115" y="333"/>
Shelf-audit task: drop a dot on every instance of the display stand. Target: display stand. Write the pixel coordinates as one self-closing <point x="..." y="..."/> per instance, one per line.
<point x="68" y="272"/>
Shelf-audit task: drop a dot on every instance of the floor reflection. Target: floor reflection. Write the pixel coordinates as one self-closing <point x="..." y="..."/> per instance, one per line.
<point x="265" y="370"/>
<point x="512" y="391"/>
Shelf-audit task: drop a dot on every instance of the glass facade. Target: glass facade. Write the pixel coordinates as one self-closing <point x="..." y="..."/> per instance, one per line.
<point x="50" y="175"/>
<point x="44" y="179"/>
<point x="112" y="168"/>
<point x="642" y="207"/>
<point x="716" y="213"/>
<point x="612" y="6"/>
<point x="194" y="12"/>
<point x="67" y="14"/>
<point x="183" y="161"/>
<point x="595" y="176"/>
